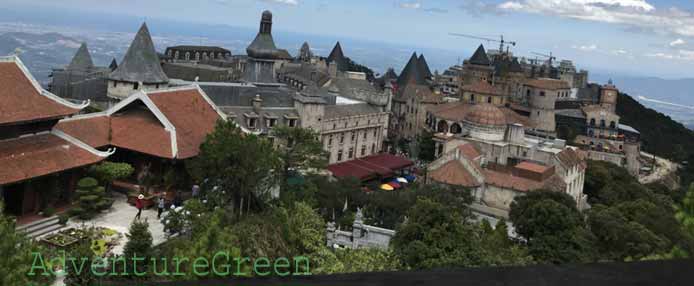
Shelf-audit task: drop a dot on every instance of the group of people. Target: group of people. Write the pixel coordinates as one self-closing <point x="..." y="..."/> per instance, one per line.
<point x="161" y="202"/>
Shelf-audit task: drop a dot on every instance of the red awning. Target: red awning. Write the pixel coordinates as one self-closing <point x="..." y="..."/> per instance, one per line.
<point x="371" y="167"/>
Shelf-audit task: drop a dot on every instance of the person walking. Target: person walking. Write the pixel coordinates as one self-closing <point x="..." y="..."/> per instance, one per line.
<point x="196" y="191"/>
<point x="160" y="205"/>
<point x="139" y="204"/>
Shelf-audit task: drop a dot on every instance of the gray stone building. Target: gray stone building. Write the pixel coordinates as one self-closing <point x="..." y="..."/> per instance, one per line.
<point x="81" y="79"/>
<point x="361" y="236"/>
<point x="264" y="58"/>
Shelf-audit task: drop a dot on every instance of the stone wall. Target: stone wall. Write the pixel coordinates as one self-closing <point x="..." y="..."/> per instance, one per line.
<point x="361" y="236"/>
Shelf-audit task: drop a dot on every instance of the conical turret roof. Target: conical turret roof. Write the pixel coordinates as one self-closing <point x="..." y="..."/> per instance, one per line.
<point x="480" y="57"/>
<point x="424" y="66"/>
<point x="114" y="65"/>
<point x="82" y="59"/>
<point x="141" y="63"/>
<point x="337" y="56"/>
<point x="412" y="73"/>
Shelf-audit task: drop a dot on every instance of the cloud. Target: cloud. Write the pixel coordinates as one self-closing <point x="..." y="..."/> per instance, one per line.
<point x="677" y="42"/>
<point x="283" y="2"/>
<point x="586" y="48"/>
<point x="681" y="55"/>
<point x="479" y="7"/>
<point x="418" y="6"/>
<point x="637" y="15"/>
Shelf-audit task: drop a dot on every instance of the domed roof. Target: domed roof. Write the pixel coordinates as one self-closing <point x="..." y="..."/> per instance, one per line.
<point x="486" y="114"/>
<point x="267" y="15"/>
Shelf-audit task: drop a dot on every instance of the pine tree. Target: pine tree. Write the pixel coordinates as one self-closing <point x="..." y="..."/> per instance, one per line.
<point x="17" y="258"/>
<point x="139" y="243"/>
<point x="90" y="199"/>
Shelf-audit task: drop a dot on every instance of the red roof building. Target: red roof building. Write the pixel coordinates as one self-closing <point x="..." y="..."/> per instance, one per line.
<point x="30" y="147"/>
<point x="169" y="123"/>
<point x="371" y="167"/>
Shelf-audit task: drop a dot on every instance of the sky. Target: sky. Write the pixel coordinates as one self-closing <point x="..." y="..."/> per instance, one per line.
<point x="632" y="37"/>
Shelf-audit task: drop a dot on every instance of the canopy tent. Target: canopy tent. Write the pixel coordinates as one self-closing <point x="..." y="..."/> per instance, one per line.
<point x="387" y="187"/>
<point x="402" y="180"/>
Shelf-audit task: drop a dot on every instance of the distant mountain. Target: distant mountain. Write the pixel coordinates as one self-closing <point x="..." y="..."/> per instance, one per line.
<point x="40" y="52"/>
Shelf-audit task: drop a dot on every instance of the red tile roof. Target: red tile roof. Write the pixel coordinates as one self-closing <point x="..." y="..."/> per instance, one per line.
<point x="34" y="156"/>
<point x="135" y="125"/>
<point x="453" y="173"/>
<point x="192" y="116"/>
<point x="457" y="111"/>
<point x="371" y="167"/>
<point x="548" y="83"/>
<point x="22" y="100"/>
<point x="532" y="167"/>
<point x="469" y="151"/>
<point x="92" y="130"/>
<point x="508" y="181"/>
<point x="138" y="130"/>
<point x="482" y="87"/>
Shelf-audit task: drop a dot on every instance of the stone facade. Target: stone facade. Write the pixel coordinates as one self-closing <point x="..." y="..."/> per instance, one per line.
<point x="361" y="236"/>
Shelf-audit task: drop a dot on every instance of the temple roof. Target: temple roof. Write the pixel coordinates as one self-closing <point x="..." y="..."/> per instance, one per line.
<point x="82" y="59"/>
<point x="141" y="63"/>
<point x="169" y="123"/>
<point x="22" y="99"/>
<point x="480" y="57"/>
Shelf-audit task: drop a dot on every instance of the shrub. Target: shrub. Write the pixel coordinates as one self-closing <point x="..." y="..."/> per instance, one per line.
<point x="90" y="199"/>
<point x="63" y="218"/>
<point x="48" y="212"/>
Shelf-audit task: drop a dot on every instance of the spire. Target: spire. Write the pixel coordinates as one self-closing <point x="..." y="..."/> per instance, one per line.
<point x="266" y="23"/>
<point x="263" y="46"/>
<point x="337" y="56"/>
<point x="411" y="74"/>
<point x="114" y="65"/>
<point x="141" y="62"/>
<point x="480" y="57"/>
<point x="82" y="59"/>
<point x="305" y="53"/>
<point x="424" y="66"/>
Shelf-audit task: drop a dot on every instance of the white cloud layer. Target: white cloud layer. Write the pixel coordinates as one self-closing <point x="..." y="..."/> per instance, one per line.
<point x="634" y="13"/>
<point x="677" y="42"/>
<point x="284" y="2"/>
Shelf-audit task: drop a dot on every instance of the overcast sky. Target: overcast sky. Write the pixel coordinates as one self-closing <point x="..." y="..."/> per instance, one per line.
<point x="644" y="37"/>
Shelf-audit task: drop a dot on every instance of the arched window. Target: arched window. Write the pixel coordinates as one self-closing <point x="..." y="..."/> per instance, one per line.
<point x="592" y="122"/>
<point x="176" y="55"/>
<point x="613" y="125"/>
<point x="442" y="126"/>
<point x="187" y="56"/>
<point x="197" y="56"/>
<point x="456" y="129"/>
<point x="602" y="122"/>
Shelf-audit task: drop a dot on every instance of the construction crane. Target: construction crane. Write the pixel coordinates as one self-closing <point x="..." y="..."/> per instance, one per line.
<point x="550" y="56"/>
<point x="501" y="41"/>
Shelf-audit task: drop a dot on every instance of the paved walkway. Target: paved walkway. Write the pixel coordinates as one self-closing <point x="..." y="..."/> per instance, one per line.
<point x="119" y="218"/>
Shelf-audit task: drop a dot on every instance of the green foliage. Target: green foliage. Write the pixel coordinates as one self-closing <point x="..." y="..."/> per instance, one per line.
<point x="91" y="199"/>
<point x="685" y="216"/>
<point x="48" y="212"/>
<point x="139" y="239"/>
<point x="427" y="146"/>
<point x="84" y="254"/>
<point x="300" y="150"/>
<point x="368" y="260"/>
<point x="240" y="165"/>
<point x="17" y="259"/>
<point x="107" y="171"/>
<point x="63" y="219"/>
<point x="553" y="227"/>
<point x="630" y="220"/>
<point x="435" y="236"/>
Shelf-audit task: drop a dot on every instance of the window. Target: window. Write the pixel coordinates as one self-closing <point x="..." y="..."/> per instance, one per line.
<point x="115" y="83"/>
<point x="602" y="122"/>
<point x="489" y="99"/>
<point x="271" y="122"/>
<point x="136" y="85"/>
<point x="251" y="122"/>
<point x="330" y="140"/>
<point x="364" y="134"/>
<point x="334" y="126"/>
<point x="351" y="152"/>
<point x="363" y="150"/>
<point x="292" y="122"/>
<point x="373" y="148"/>
<point x="542" y="93"/>
<point x="472" y="97"/>
<point x="353" y="136"/>
<point x="345" y="124"/>
<point x="375" y="133"/>
<point x="339" y="155"/>
<point x="342" y="138"/>
<point x="592" y="122"/>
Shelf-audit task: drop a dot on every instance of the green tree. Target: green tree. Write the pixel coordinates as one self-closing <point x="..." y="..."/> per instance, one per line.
<point x="17" y="258"/>
<point x="435" y="236"/>
<point x="139" y="240"/>
<point x="368" y="260"/>
<point x="427" y="147"/>
<point x="107" y="172"/>
<point x="238" y="168"/>
<point x="685" y="216"/>
<point x="91" y="199"/>
<point x="553" y="227"/>
<point x="497" y="247"/>
<point x="83" y="254"/>
<point x="300" y="150"/>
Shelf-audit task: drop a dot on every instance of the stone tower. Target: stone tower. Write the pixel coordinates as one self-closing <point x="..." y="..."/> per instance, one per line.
<point x="608" y="96"/>
<point x="633" y="152"/>
<point x="477" y="68"/>
<point x="541" y="95"/>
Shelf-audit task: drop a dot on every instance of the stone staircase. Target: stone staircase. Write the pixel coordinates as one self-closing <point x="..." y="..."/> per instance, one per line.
<point x="41" y="227"/>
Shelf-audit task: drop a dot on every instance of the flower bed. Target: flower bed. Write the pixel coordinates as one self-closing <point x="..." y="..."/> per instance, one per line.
<point x="59" y="240"/>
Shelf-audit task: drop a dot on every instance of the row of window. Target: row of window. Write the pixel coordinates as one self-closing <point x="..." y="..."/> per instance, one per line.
<point x="350" y="153"/>
<point x="205" y="55"/>
<point x="136" y="85"/>
<point x="356" y="123"/>
<point x="353" y="136"/>
<point x="603" y="123"/>
<point x="252" y="122"/>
